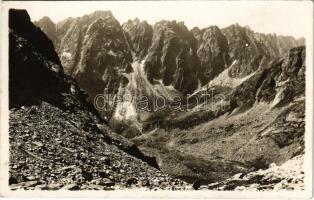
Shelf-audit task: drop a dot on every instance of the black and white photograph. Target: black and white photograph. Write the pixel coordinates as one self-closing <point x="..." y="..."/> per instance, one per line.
<point x="195" y="99"/>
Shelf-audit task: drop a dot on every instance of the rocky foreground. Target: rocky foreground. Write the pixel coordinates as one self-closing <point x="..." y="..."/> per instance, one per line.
<point x="288" y="176"/>
<point x="55" y="149"/>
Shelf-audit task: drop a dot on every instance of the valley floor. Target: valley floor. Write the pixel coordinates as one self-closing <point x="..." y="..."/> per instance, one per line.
<point x="233" y="143"/>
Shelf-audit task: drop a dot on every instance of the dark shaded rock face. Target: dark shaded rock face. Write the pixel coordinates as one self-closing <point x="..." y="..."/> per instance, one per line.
<point x="212" y="53"/>
<point x="20" y="23"/>
<point x="172" y="57"/>
<point x="49" y="28"/>
<point x="251" y="51"/>
<point x="93" y="51"/>
<point x="139" y="36"/>
<point x="245" y="50"/>
<point x="198" y="34"/>
<point x="61" y="28"/>
<point x="34" y="58"/>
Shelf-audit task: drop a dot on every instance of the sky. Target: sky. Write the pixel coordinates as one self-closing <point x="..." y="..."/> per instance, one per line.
<point x="281" y="17"/>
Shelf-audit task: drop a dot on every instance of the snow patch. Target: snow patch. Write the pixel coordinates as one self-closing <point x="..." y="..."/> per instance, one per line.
<point x="112" y="53"/>
<point x="278" y="98"/>
<point x="223" y="79"/>
<point x="125" y="111"/>
<point x="66" y="55"/>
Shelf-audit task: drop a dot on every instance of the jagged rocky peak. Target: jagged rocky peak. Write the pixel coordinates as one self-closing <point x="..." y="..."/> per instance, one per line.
<point x="198" y="34"/>
<point x="301" y="41"/>
<point x="278" y="45"/>
<point x="213" y="53"/>
<point x="101" y="14"/>
<point x="245" y="50"/>
<point x="20" y="23"/>
<point x="94" y="51"/>
<point x="72" y="31"/>
<point x="106" y="16"/>
<point x="213" y="30"/>
<point x="280" y="83"/>
<point x="173" y="27"/>
<point x="251" y="51"/>
<point x="35" y="71"/>
<point x="285" y="43"/>
<point x="104" y="53"/>
<point x="48" y="27"/>
<point x="293" y="65"/>
<point x="139" y="36"/>
<point x="172" y="56"/>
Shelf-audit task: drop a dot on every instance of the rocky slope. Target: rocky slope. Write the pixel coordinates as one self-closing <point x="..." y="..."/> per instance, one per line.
<point x="56" y="138"/>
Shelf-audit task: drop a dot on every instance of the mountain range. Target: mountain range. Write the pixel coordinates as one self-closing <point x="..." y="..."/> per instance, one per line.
<point x="241" y="93"/>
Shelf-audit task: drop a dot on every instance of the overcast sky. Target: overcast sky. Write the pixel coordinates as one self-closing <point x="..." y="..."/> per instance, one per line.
<point x="280" y="17"/>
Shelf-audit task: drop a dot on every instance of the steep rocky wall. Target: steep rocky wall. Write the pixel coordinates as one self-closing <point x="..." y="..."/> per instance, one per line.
<point x="254" y="51"/>
<point x="139" y="36"/>
<point x="97" y="51"/>
<point x="213" y="53"/>
<point x="172" y="56"/>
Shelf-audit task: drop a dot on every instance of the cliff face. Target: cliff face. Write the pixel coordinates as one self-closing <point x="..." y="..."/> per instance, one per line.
<point x="139" y="36"/>
<point x="281" y="82"/>
<point x="212" y="53"/>
<point x="251" y="51"/>
<point x="172" y="56"/>
<point x="94" y="51"/>
<point x="245" y="50"/>
<point x="27" y="60"/>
